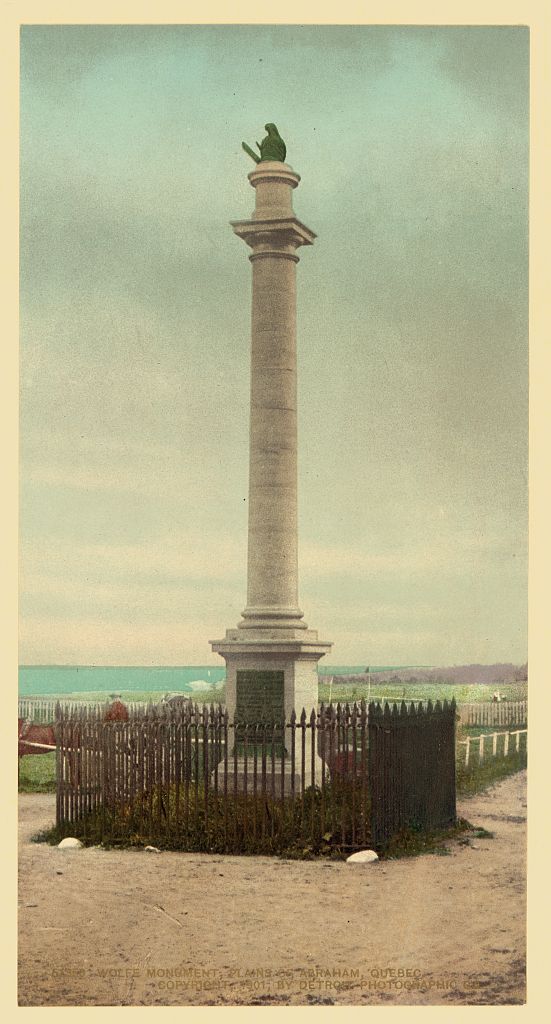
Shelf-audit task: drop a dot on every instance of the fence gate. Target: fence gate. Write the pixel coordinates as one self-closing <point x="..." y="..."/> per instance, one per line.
<point x="411" y="757"/>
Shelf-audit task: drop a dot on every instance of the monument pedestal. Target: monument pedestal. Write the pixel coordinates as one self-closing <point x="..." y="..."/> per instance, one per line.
<point x="294" y="660"/>
<point x="267" y="678"/>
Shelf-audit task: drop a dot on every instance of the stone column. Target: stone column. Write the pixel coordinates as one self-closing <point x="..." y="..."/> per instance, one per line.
<point x="274" y="235"/>
<point x="272" y="656"/>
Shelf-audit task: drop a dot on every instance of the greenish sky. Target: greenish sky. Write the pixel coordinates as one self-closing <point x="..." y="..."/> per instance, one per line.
<point x="412" y="144"/>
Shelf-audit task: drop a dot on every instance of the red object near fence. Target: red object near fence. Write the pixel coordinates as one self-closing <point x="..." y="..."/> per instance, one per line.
<point x="343" y="762"/>
<point x="34" y="738"/>
<point x="116" y="712"/>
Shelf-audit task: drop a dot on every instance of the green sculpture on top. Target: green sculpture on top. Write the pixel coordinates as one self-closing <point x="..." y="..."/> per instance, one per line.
<point x="271" y="148"/>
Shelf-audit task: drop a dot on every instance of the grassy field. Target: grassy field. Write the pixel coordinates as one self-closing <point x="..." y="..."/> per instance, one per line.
<point x="472" y="694"/>
<point x="475" y="730"/>
<point x="480" y="775"/>
<point x="345" y="692"/>
<point x="37" y="773"/>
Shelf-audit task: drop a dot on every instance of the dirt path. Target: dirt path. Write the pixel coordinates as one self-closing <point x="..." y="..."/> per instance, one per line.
<point x="102" y="927"/>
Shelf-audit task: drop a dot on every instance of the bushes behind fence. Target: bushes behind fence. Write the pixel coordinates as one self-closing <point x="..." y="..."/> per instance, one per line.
<point x="241" y="824"/>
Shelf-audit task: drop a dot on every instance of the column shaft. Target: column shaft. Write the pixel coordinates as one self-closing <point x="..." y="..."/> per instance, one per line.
<point x="272" y="578"/>
<point x="271" y="657"/>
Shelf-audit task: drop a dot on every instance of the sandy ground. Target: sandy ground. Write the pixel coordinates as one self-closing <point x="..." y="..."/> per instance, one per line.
<point x="132" y="928"/>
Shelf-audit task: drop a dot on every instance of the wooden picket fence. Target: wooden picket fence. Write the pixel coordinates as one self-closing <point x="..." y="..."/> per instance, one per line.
<point x="190" y="778"/>
<point x="489" y="744"/>
<point x="490" y="713"/>
<point x="43" y="710"/>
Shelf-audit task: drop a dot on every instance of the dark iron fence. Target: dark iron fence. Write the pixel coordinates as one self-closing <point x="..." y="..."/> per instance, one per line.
<point x="411" y="767"/>
<point x="189" y="778"/>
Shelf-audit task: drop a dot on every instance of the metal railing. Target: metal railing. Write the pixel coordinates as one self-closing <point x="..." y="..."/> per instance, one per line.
<point x="191" y="778"/>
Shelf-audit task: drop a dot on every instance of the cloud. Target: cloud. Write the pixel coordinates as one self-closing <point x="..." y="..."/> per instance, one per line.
<point x="170" y="558"/>
<point x="448" y="553"/>
<point x="412" y="146"/>
<point x="492" y="65"/>
<point x="108" y="641"/>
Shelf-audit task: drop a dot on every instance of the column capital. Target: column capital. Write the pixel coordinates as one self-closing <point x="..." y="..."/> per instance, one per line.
<point x="279" y="236"/>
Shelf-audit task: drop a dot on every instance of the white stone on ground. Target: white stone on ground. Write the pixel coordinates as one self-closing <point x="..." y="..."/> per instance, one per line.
<point x="362" y="857"/>
<point x="70" y="843"/>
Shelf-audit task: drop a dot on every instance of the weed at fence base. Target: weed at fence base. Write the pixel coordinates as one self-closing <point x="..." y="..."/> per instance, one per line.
<point x="302" y="827"/>
<point x="483" y="833"/>
<point x="413" y="841"/>
<point x="409" y="842"/>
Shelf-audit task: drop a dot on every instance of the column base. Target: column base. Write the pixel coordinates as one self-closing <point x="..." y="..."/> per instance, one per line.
<point x="272" y="618"/>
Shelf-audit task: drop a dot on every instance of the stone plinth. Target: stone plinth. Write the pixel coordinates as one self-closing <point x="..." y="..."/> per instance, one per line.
<point x="272" y="636"/>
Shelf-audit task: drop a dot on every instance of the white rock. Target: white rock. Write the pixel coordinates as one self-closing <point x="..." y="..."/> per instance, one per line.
<point x="70" y="843"/>
<point x="362" y="857"/>
<point x="152" y="849"/>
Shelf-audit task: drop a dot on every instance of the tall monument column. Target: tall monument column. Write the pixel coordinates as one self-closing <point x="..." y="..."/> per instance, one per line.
<point x="272" y="656"/>
<point x="274" y="235"/>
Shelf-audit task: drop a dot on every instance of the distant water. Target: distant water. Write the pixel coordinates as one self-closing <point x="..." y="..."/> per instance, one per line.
<point x="57" y="679"/>
<point x="39" y="680"/>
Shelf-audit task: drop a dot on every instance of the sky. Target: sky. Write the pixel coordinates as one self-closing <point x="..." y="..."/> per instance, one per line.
<point x="412" y="146"/>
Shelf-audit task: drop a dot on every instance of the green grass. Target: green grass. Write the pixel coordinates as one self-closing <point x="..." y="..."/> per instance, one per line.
<point x="488" y="730"/>
<point x="483" y="833"/>
<point x="480" y="776"/>
<point x="411" y="842"/>
<point x="37" y="773"/>
<point x="472" y="694"/>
